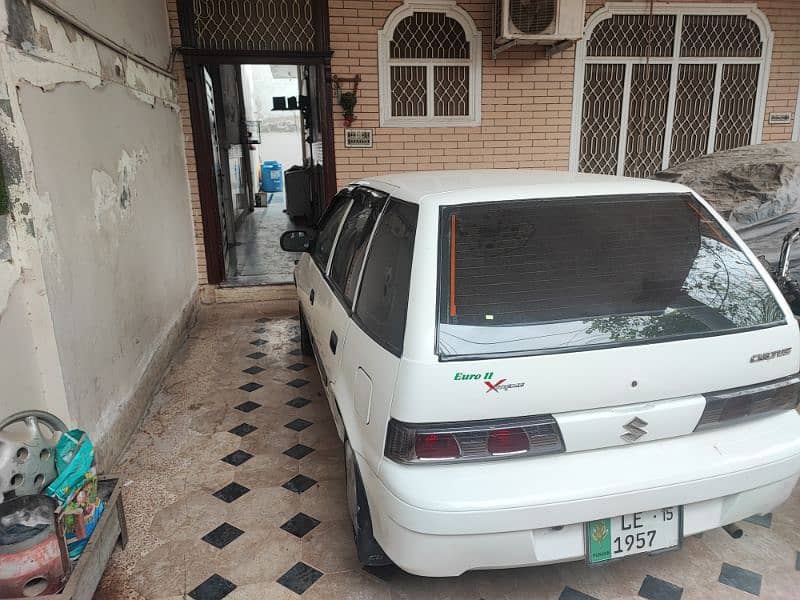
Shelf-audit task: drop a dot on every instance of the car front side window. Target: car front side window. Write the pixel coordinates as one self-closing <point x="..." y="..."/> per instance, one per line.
<point x="329" y="227"/>
<point x="353" y="239"/>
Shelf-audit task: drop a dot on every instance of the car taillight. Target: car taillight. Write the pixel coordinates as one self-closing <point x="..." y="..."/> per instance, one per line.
<point x="737" y="403"/>
<point x="472" y="440"/>
<point x="508" y="441"/>
<point x="431" y="446"/>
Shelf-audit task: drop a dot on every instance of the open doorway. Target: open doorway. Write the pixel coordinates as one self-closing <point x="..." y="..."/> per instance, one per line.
<point x="267" y="154"/>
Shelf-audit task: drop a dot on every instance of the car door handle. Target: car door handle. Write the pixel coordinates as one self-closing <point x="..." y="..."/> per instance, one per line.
<point x="311" y="297"/>
<point x="334" y="341"/>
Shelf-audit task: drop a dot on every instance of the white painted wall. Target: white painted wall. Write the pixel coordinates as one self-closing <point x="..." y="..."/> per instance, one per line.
<point x="119" y="258"/>
<point x="102" y="273"/>
<point x="281" y="136"/>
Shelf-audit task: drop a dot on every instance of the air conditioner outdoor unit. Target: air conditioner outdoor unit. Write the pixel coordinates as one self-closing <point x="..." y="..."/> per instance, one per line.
<point x="538" y="21"/>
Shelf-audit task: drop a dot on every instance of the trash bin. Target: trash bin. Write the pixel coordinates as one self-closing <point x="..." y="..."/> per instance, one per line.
<point x="271" y="176"/>
<point x="299" y="192"/>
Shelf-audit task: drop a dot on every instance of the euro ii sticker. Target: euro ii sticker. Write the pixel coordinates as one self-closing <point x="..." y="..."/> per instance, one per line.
<point x="599" y="540"/>
<point x="488" y="379"/>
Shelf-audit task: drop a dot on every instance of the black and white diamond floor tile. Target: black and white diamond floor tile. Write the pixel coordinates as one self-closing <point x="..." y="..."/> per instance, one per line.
<point x="243" y="429"/>
<point x="300" y="577"/>
<point x="213" y="588"/>
<point x="299" y="483"/>
<point x="654" y="588"/>
<point x="300" y="524"/>
<point x="741" y="579"/>
<point x="237" y="457"/>
<point x="298" y="451"/>
<point x="232" y="491"/>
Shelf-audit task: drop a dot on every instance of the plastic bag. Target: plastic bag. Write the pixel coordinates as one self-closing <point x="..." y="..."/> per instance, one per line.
<point x="81" y="515"/>
<point x="74" y="458"/>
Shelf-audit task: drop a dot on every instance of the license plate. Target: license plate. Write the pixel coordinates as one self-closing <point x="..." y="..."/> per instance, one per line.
<point x="649" y="531"/>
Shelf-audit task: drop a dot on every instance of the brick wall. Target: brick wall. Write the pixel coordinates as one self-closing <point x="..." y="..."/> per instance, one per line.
<point x="526" y="103"/>
<point x="191" y="165"/>
<point x="784" y="74"/>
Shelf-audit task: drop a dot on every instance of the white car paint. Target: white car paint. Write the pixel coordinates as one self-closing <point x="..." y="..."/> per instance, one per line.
<point x="444" y="519"/>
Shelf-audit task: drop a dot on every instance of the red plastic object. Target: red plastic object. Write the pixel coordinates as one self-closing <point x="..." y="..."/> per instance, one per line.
<point x="34" y="571"/>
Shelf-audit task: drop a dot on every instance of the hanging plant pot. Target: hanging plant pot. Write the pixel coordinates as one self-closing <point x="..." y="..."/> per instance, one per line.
<point x="348" y="101"/>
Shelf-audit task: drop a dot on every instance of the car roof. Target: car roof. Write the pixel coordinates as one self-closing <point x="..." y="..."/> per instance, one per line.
<point x="487" y="185"/>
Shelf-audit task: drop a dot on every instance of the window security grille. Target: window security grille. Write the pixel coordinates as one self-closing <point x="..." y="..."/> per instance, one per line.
<point x="279" y="25"/>
<point x="429" y="66"/>
<point x="656" y="90"/>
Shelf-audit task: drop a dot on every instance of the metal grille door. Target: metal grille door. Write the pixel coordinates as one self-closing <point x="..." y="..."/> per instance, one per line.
<point x="602" y="107"/>
<point x="658" y="89"/>
<point x="429" y="61"/>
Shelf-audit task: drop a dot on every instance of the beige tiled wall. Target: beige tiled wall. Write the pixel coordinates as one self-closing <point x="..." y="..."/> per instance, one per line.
<point x="526" y="103"/>
<point x="191" y="165"/>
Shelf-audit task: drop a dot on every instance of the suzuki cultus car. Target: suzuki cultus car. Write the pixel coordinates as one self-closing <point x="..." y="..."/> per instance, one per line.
<point x="531" y="367"/>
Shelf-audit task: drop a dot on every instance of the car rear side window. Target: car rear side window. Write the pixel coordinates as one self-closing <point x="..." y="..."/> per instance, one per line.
<point x="383" y="296"/>
<point x="529" y="276"/>
<point x="329" y="227"/>
<point x="352" y="244"/>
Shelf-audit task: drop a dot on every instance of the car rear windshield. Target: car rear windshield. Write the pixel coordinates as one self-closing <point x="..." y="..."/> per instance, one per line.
<point x="534" y="276"/>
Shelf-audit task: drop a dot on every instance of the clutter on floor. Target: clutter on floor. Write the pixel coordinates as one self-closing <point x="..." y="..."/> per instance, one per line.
<point x="51" y="510"/>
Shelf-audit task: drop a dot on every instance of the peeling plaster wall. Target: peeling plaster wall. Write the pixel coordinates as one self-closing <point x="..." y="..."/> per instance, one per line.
<point x="19" y="367"/>
<point x="118" y="256"/>
<point x="140" y="26"/>
<point x="101" y="284"/>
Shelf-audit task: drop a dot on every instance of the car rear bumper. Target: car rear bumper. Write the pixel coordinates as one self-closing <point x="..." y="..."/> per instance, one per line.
<point x="441" y="520"/>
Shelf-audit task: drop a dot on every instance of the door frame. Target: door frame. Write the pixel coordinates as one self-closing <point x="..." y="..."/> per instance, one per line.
<point x="195" y="59"/>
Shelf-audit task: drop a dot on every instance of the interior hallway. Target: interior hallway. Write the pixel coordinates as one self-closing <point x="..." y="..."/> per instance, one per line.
<point x="234" y="487"/>
<point x="258" y="257"/>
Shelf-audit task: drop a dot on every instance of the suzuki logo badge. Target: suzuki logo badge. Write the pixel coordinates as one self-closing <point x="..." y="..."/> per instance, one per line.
<point x="635" y="428"/>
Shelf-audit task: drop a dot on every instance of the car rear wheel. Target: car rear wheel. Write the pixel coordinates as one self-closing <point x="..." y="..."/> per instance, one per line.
<point x="370" y="553"/>
<point x="305" y="337"/>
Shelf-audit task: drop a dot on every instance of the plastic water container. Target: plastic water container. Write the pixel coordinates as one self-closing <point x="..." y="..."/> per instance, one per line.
<point x="271" y="176"/>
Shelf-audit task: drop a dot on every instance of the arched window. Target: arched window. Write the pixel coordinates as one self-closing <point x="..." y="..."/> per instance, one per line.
<point x="429" y="61"/>
<point x="654" y="90"/>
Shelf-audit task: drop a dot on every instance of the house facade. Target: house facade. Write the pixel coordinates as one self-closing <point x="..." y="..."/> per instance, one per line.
<point x="645" y="85"/>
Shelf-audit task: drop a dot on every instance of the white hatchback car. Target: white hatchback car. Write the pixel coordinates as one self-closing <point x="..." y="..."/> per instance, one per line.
<point x="530" y="367"/>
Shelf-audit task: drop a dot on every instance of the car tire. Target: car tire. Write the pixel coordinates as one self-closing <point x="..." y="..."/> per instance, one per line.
<point x="305" y="337"/>
<point x="369" y="551"/>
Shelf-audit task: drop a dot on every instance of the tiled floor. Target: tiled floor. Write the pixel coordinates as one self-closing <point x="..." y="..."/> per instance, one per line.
<point x="234" y="488"/>
<point x="257" y="258"/>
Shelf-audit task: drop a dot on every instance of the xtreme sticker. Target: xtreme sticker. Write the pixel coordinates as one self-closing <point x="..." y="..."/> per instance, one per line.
<point x="488" y="380"/>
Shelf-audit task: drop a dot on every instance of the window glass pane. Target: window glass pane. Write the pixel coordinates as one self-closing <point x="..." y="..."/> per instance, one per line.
<point x="572" y="273"/>
<point x="382" y="301"/>
<point x="328" y="227"/>
<point x="352" y="244"/>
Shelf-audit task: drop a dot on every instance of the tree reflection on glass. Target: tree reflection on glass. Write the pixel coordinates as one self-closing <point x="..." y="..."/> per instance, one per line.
<point x="721" y="283"/>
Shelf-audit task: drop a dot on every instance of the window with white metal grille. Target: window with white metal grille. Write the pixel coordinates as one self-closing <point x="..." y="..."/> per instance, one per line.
<point x="429" y="55"/>
<point x="654" y="89"/>
<point x="280" y="25"/>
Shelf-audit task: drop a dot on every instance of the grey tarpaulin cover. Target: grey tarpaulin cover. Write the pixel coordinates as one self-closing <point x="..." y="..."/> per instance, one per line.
<point x="756" y="188"/>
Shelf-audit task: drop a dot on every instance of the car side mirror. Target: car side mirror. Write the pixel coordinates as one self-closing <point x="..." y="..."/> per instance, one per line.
<point x="297" y="241"/>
